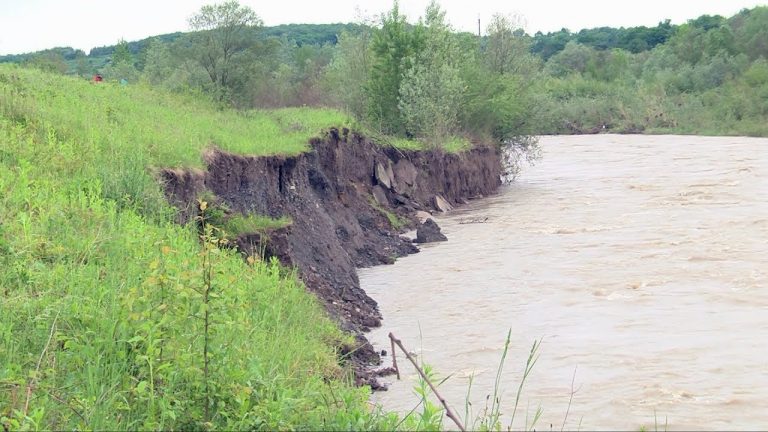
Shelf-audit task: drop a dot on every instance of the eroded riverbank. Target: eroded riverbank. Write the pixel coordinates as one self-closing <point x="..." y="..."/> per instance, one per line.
<point x="348" y="199"/>
<point x="640" y="261"/>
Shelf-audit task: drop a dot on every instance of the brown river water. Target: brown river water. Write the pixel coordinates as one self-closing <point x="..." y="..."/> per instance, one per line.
<point x="640" y="262"/>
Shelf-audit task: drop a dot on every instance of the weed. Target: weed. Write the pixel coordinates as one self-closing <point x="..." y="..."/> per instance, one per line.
<point x="395" y="221"/>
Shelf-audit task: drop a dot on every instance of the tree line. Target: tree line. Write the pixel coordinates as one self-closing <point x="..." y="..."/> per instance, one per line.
<point x="426" y="81"/>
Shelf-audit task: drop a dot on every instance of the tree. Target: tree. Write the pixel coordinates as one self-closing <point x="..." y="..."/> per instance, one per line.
<point x="508" y="49"/>
<point x="222" y="34"/>
<point x="392" y="45"/>
<point x="547" y="45"/>
<point x="431" y="91"/>
<point x="574" y="58"/>
<point x="122" y="54"/>
<point x="497" y="103"/>
<point x="348" y="72"/>
<point x="157" y="65"/>
<point x="83" y="67"/>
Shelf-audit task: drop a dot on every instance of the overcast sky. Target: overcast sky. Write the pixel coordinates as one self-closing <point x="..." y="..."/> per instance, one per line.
<point x="32" y="25"/>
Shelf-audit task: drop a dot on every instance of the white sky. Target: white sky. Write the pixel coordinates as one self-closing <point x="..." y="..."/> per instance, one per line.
<point x="32" y="25"/>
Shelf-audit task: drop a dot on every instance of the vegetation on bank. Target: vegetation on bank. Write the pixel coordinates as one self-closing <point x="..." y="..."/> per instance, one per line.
<point x="102" y="296"/>
<point x="422" y="80"/>
<point x="113" y="316"/>
<point x="116" y="318"/>
<point x="120" y="132"/>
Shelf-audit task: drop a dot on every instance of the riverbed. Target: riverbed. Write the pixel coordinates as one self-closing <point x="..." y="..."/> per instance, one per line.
<point x="639" y="262"/>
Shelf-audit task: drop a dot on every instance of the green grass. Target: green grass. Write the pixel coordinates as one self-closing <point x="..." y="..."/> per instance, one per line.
<point x="394" y="220"/>
<point x="101" y="295"/>
<point x="169" y="130"/>
<point x="121" y="132"/>
<point x="254" y="223"/>
<point x="108" y="308"/>
<point x="453" y="145"/>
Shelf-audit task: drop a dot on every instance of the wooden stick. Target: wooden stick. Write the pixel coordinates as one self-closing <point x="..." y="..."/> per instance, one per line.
<point x="394" y="356"/>
<point x="448" y="411"/>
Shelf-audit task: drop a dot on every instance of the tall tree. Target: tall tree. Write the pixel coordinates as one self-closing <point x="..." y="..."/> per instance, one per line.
<point x="392" y="45"/>
<point x="222" y="34"/>
<point x="157" y="65"/>
<point x="122" y="54"/>
<point x="432" y="89"/>
<point x="508" y="49"/>
<point x="348" y="72"/>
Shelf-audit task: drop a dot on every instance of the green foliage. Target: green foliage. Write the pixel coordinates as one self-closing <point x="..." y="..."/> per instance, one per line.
<point x="158" y="66"/>
<point x="122" y="65"/>
<point x="313" y="34"/>
<point x="574" y="58"/>
<point x="432" y="90"/>
<point x="696" y="82"/>
<point x="508" y="49"/>
<point x="114" y="319"/>
<point x="228" y="225"/>
<point x="220" y="42"/>
<point x="489" y="88"/>
<point x="48" y="61"/>
<point x="632" y="39"/>
<point x="348" y="73"/>
<point x="392" y="45"/>
<point x="757" y="74"/>
<point x="498" y="106"/>
<point x="122" y="54"/>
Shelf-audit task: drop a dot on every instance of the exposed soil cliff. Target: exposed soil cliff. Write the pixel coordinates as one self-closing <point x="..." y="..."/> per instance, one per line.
<point x="338" y="195"/>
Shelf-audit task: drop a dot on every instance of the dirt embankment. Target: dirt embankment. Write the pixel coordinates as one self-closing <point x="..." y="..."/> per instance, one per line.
<point x="337" y="196"/>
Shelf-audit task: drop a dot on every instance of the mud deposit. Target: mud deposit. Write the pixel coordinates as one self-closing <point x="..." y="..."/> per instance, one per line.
<point x="338" y="195"/>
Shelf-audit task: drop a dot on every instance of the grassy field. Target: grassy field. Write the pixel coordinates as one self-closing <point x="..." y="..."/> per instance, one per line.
<point x="120" y="132"/>
<point x="111" y="316"/>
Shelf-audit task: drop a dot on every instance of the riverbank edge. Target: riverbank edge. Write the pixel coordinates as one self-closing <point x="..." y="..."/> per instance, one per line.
<point x="349" y="200"/>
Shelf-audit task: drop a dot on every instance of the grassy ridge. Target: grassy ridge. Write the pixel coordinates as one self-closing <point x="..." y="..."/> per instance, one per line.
<point x="101" y="297"/>
<point x="118" y="132"/>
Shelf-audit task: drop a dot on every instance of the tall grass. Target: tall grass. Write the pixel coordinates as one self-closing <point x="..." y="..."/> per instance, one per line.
<point x="119" y="133"/>
<point x="100" y="294"/>
<point x="426" y="415"/>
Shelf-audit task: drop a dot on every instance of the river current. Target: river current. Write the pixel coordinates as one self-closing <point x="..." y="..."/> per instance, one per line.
<point x="639" y="262"/>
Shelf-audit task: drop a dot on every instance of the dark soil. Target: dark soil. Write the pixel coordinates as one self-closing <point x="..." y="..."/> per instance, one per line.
<point x="338" y="224"/>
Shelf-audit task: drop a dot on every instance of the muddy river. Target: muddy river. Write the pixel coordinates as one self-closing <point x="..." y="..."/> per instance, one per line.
<point x="639" y="262"/>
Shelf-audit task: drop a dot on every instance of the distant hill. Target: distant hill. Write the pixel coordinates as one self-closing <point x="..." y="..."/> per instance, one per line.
<point x="300" y="34"/>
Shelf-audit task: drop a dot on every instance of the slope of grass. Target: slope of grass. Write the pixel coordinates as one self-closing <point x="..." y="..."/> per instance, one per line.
<point x="111" y="316"/>
<point x="120" y="132"/>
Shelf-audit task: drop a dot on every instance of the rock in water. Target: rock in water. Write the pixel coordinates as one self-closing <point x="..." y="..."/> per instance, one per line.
<point x="429" y="232"/>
